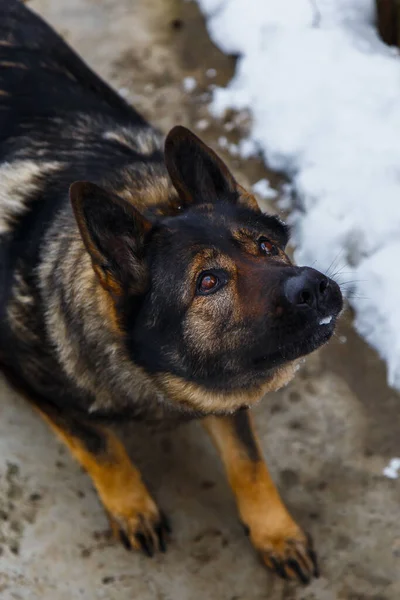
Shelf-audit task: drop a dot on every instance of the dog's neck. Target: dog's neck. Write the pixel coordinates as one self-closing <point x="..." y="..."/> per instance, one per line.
<point x="82" y="324"/>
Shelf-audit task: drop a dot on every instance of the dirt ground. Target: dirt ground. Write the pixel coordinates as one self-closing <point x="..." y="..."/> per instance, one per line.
<point x="327" y="436"/>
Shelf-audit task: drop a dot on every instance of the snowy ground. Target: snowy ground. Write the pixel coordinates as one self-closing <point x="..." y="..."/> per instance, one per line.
<point x="324" y="93"/>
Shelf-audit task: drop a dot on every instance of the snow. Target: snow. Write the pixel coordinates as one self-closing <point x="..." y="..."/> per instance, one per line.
<point x="233" y="149"/>
<point x="202" y="124"/>
<point x="189" y="84"/>
<point x="264" y="189"/>
<point x="247" y="148"/>
<point x="393" y="469"/>
<point x="324" y="94"/>
<point x="124" y="92"/>
<point x="211" y="73"/>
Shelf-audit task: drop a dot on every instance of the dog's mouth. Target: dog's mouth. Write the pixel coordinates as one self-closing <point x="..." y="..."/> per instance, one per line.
<point x="299" y="343"/>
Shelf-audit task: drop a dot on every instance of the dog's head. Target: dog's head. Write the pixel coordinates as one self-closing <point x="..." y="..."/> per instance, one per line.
<point x="210" y="304"/>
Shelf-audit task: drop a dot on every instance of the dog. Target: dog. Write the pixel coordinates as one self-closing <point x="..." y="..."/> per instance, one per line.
<point x="142" y="282"/>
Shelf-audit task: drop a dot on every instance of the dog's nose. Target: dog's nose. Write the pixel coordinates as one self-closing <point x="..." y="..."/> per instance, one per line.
<point x="308" y="289"/>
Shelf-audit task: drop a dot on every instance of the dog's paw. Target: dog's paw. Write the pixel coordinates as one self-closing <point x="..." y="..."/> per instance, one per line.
<point x="291" y="555"/>
<point x="146" y="530"/>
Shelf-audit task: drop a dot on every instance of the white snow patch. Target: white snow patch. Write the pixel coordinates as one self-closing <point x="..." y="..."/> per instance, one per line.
<point x="233" y="149"/>
<point x="202" y="124"/>
<point x="211" y="73"/>
<point x="189" y="84"/>
<point x="393" y="469"/>
<point x="247" y="148"/>
<point x="286" y="197"/>
<point x="229" y="126"/>
<point x="324" y="95"/>
<point x="264" y="190"/>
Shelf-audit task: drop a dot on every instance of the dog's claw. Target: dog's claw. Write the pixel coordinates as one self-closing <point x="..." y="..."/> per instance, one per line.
<point x="278" y="567"/>
<point x="299" y="561"/>
<point x="294" y="566"/>
<point x="148" y="533"/>
<point x="124" y="539"/>
<point x="312" y="556"/>
<point x="162" y="531"/>
<point x="292" y="558"/>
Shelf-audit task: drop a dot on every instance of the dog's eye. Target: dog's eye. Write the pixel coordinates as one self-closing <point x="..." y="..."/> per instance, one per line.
<point x="207" y="283"/>
<point x="267" y="247"/>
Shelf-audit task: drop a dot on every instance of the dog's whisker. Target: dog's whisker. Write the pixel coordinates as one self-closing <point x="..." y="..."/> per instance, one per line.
<point x="358" y="297"/>
<point x="334" y="262"/>
<point x="351" y="281"/>
<point x="340" y="271"/>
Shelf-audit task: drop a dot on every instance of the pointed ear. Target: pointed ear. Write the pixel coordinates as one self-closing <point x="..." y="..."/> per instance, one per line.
<point x="113" y="232"/>
<point x="198" y="174"/>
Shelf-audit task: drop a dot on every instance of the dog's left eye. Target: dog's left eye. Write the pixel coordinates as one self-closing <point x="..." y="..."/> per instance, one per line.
<point x="267" y="247"/>
<point x="208" y="283"/>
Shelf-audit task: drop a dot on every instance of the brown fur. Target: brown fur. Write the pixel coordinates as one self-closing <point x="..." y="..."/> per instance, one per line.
<point x="129" y="506"/>
<point x="184" y="393"/>
<point x="272" y="530"/>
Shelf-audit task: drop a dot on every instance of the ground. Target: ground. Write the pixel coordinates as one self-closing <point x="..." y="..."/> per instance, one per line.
<point x="327" y="436"/>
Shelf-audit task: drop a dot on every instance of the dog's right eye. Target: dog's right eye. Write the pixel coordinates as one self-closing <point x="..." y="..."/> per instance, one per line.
<point x="207" y="283"/>
<point x="267" y="247"/>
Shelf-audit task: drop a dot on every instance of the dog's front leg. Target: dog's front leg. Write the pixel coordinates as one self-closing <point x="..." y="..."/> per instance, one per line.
<point x="281" y="543"/>
<point x="134" y="516"/>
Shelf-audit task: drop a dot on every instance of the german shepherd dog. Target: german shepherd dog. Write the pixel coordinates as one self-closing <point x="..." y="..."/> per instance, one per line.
<point x="142" y="282"/>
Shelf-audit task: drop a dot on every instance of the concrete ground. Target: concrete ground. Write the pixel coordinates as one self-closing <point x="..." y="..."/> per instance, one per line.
<point x="328" y="435"/>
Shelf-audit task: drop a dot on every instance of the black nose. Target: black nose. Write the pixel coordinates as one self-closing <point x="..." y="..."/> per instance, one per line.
<point x="307" y="289"/>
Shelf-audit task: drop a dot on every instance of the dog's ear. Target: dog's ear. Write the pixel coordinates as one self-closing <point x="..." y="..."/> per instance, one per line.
<point x="198" y="174"/>
<point x="113" y="232"/>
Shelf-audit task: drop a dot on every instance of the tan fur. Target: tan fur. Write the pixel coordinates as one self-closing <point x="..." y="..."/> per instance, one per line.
<point x="119" y="378"/>
<point x="18" y="311"/>
<point x="247" y="198"/>
<point x="144" y="142"/>
<point x="149" y="193"/>
<point x="20" y="180"/>
<point x="273" y="532"/>
<point x="250" y="245"/>
<point x="119" y="484"/>
<point x="13" y="65"/>
<point x="200" y="322"/>
<point x="195" y="396"/>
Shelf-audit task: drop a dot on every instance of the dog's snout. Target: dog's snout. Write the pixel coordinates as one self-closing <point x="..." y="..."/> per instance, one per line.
<point x="308" y="289"/>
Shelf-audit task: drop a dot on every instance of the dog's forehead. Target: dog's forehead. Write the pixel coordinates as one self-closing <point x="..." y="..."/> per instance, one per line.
<point x="219" y="223"/>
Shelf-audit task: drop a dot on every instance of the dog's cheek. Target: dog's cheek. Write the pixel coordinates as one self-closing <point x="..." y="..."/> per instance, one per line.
<point x="209" y="325"/>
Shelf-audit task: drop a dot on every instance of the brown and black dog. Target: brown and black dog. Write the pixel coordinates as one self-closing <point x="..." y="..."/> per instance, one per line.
<point x="138" y="283"/>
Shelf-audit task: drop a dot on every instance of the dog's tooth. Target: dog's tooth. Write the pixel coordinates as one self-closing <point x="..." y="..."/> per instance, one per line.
<point x="326" y="320"/>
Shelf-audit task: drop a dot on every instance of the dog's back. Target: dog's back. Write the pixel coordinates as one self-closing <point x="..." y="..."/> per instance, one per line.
<point x="59" y="123"/>
<point x="54" y="112"/>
